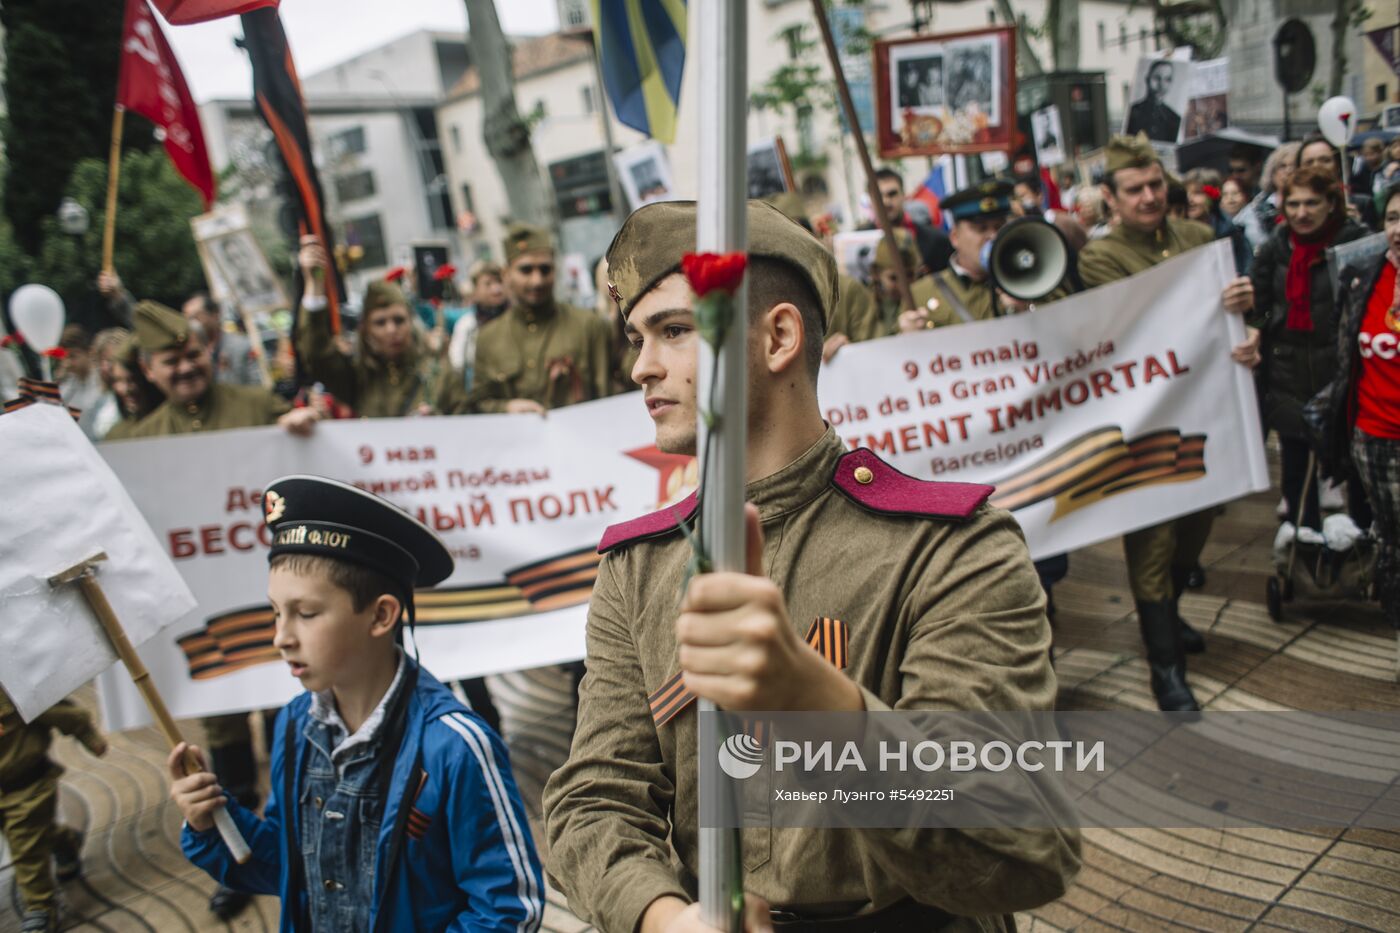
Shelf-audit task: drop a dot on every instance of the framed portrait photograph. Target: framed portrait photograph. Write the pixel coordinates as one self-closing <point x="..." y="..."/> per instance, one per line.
<point x="1049" y="136"/>
<point x="428" y="257"/>
<point x="645" y="174"/>
<point x="953" y="92"/>
<point x="234" y="265"/>
<point x="855" y="252"/>
<point x="1208" y="110"/>
<point x="769" y="171"/>
<point x="1158" y="100"/>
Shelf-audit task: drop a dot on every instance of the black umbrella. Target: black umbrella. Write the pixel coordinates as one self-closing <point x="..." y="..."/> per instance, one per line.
<point x="1213" y="150"/>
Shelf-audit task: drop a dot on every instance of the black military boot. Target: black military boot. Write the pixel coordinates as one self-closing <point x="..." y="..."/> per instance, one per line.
<point x="1161" y="635"/>
<point x="1192" y="641"/>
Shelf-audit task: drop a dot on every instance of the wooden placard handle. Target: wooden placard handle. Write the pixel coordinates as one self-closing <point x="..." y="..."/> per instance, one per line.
<point x="97" y="599"/>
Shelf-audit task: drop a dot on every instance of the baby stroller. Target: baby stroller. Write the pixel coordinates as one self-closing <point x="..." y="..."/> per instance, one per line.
<point x="1338" y="563"/>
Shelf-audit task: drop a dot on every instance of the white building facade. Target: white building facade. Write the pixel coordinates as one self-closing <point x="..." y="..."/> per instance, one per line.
<point x="375" y="140"/>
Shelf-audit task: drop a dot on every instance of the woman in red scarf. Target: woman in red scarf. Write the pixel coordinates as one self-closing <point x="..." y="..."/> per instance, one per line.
<point x="1295" y="311"/>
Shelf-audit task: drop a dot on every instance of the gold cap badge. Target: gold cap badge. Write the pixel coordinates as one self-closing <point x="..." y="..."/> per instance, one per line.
<point x="273" y="506"/>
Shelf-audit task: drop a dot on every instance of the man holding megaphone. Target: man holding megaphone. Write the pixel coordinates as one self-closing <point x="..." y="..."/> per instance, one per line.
<point x="967" y="290"/>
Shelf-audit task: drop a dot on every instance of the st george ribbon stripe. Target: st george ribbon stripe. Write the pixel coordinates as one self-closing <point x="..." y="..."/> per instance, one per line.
<point x="243" y="637"/>
<point x="830" y="638"/>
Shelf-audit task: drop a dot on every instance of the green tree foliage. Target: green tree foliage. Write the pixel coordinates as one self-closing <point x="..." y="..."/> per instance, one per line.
<point x="155" y="252"/>
<point x="14" y="264"/>
<point x="60" y="81"/>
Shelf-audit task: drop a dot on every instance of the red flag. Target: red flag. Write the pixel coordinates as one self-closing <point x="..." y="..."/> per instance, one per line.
<point x="151" y="84"/>
<point x="184" y="12"/>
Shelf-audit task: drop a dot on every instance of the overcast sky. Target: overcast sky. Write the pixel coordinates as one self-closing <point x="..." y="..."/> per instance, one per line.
<point x="323" y="32"/>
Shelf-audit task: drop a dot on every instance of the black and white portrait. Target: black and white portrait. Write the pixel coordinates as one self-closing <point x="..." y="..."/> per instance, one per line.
<point x="920" y="82"/>
<point x="855" y="252"/>
<point x="1159" y="99"/>
<point x="246" y="272"/>
<point x="645" y="174"/>
<point x="1048" y="136"/>
<point x="766" y="172"/>
<point x="234" y="266"/>
<point x="973" y="78"/>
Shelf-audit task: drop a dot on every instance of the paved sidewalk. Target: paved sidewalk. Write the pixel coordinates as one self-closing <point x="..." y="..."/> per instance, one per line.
<point x="1324" y="656"/>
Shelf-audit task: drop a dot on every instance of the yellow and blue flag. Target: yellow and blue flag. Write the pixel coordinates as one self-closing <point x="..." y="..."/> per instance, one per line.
<point x="641" y="46"/>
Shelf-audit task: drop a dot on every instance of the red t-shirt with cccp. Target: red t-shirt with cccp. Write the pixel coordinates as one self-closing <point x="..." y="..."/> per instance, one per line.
<point x="1378" y="388"/>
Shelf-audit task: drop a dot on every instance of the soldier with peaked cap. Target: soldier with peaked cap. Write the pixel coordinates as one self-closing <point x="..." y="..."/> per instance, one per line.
<point x="175" y="358"/>
<point x="1160" y="558"/>
<point x="393" y="373"/>
<point x="541" y="353"/>
<point x="392" y="806"/>
<point x="964" y="292"/>
<point x="935" y="587"/>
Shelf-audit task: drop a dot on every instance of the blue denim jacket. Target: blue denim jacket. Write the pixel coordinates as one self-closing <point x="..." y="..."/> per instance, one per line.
<point x="341" y="810"/>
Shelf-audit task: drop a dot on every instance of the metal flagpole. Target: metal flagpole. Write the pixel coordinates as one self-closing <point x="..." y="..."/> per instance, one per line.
<point x="722" y="228"/>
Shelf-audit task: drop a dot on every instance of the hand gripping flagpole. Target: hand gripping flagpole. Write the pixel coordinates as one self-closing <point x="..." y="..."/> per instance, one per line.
<point x="722" y="228"/>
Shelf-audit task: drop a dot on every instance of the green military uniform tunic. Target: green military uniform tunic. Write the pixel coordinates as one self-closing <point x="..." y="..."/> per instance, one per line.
<point x="979" y="299"/>
<point x="942" y="614"/>
<point x="223" y="407"/>
<point x="1126" y="252"/>
<point x="29" y="793"/>
<point x="515" y="353"/>
<point x="377" y="389"/>
<point x="1160" y="556"/>
<point x="122" y="429"/>
<point x="856" y="313"/>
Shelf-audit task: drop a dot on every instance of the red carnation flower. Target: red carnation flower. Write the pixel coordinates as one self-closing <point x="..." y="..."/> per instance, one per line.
<point x="56" y="353"/>
<point x="444" y="272"/>
<point x="394" y="274"/>
<point x="1211" y="192"/>
<point x="11" y="340"/>
<point x="714" y="272"/>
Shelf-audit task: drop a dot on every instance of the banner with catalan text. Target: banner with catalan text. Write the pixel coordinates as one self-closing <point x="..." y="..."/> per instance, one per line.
<point x="1108" y="411"/>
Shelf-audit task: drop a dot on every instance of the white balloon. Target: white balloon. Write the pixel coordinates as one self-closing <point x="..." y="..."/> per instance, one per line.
<point x="38" y="315"/>
<point x="1336" y="118"/>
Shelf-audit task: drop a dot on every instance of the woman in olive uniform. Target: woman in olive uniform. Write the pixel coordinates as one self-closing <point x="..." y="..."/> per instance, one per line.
<point x="393" y="373"/>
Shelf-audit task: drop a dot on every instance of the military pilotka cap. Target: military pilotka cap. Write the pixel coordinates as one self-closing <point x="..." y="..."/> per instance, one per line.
<point x="382" y="294"/>
<point x="159" y="328"/>
<point x="651" y="243"/>
<point x="328" y="518"/>
<point x="523" y="238"/>
<point x="987" y="199"/>
<point x="1129" y="152"/>
<point x="907" y="251"/>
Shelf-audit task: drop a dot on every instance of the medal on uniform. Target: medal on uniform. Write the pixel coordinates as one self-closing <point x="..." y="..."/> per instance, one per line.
<point x="1392" y="319"/>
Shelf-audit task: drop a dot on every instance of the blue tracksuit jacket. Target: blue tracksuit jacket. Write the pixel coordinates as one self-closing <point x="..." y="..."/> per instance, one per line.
<point x="468" y="863"/>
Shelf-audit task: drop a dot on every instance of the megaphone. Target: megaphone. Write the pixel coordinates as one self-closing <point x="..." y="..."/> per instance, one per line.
<point x="1028" y="259"/>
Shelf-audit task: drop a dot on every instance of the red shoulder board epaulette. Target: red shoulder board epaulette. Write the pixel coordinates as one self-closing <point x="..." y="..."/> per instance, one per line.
<point x="649" y="526"/>
<point x="871" y="482"/>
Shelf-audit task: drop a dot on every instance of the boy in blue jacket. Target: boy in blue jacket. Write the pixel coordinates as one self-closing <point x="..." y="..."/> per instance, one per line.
<point x="393" y="806"/>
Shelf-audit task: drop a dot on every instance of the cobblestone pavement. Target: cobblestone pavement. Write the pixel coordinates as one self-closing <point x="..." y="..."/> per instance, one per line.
<point x="1323" y="656"/>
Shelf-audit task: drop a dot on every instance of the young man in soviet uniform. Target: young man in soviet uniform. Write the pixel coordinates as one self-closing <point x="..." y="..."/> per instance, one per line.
<point x="542" y="353"/>
<point x="1160" y="558"/>
<point x="175" y="358"/>
<point x="935" y="587"/>
<point x="29" y="805"/>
